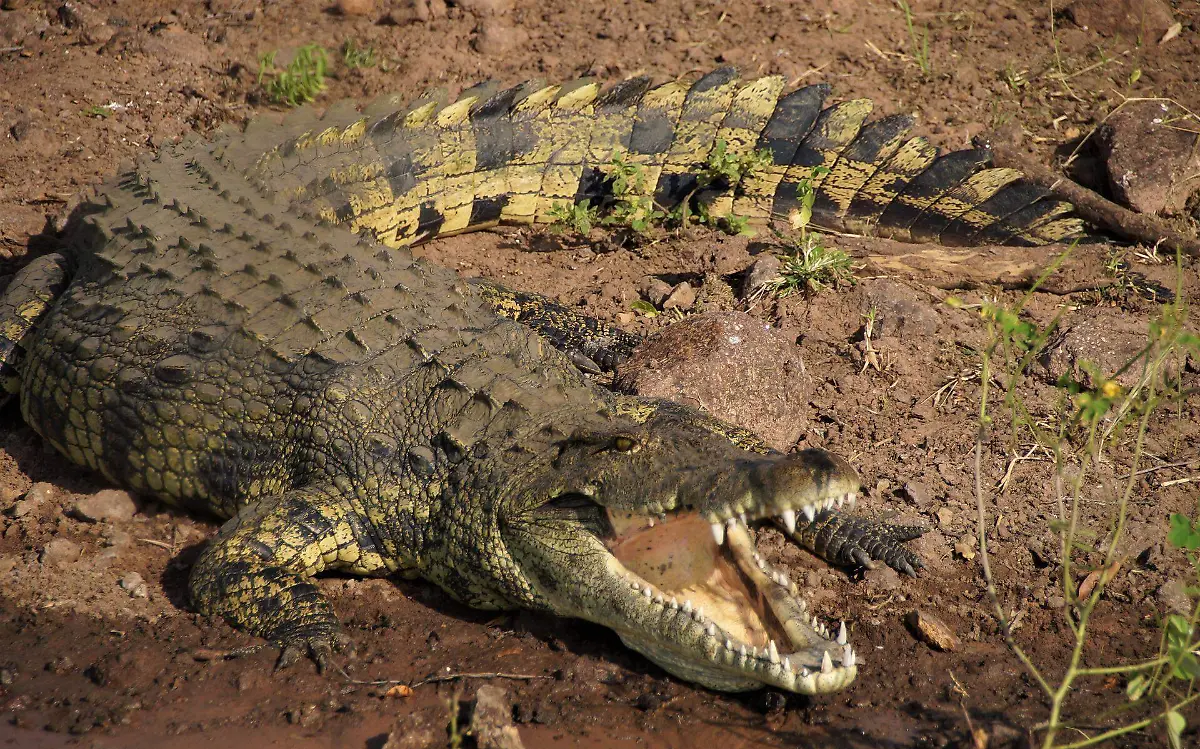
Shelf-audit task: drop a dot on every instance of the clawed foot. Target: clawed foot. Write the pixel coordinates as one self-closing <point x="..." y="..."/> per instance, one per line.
<point x="320" y="647"/>
<point x="853" y="541"/>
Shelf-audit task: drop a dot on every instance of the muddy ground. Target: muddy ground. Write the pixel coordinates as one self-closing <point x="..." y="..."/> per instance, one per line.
<point x="97" y="645"/>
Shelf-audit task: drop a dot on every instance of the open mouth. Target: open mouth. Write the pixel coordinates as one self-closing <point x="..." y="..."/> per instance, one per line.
<point x="706" y="579"/>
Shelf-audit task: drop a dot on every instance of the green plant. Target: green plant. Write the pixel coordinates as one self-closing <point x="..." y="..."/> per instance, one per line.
<point x="1093" y="414"/>
<point x="631" y="206"/>
<point x="300" y="81"/>
<point x="97" y="111"/>
<point x="918" y="41"/>
<point x="354" y="57"/>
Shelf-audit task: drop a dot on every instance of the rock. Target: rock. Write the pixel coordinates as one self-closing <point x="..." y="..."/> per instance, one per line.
<point x="1097" y="337"/>
<point x="932" y="631"/>
<point x="900" y="310"/>
<point x="765" y="268"/>
<point x="355" y="7"/>
<point x="174" y="46"/>
<point x="883" y="577"/>
<point x="18" y="25"/>
<point x="682" y="297"/>
<point x="491" y="721"/>
<point x="1146" y="20"/>
<point x="417" y="11"/>
<point x="38" y="495"/>
<point x="1172" y="596"/>
<point x="945" y="517"/>
<point x="59" y="551"/>
<point x="8" y="562"/>
<point x="1149" y="149"/>
<point x="112" y="505"/>
<point x="625" y="319"/>
<point x="917" y="493"/>
<point x="496" y="38"/>
<point x="132" y="583"/>
<point x="730" y="365"/>
<point x="482" y="8"/>
<point x="654" y="290"/>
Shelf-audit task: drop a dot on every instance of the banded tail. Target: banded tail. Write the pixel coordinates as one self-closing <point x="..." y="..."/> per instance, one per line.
<point x="434" y="168"/>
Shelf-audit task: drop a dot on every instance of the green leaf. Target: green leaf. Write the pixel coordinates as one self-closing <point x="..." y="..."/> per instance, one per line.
<point x="1175" y="726"/>
<point x="1183" y="533"/>
<point x="646" y="308"/>
<point x="1137" y="687"/>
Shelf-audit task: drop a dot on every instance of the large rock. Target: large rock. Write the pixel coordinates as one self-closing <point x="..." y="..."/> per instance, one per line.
<point x="1106" y="338"/>
<point x="1146" y="20"/>
<point x="730" y="365"/>
<point x="1149" y="148"/>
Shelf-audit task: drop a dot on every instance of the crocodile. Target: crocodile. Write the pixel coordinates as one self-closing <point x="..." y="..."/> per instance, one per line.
<point x="237" y="326"/>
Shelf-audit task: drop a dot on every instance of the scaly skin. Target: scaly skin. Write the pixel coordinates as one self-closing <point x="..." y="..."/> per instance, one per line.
<point x="226" y="344"/>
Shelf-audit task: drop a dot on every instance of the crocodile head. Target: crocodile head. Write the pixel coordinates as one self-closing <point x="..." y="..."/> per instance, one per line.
<point x="643" y="529"/>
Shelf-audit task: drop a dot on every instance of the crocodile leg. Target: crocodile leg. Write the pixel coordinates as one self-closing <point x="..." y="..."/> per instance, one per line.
<point x="592" y="345"/>
<point x="27" y="299"/>
<point x="854" y="541"/>
<point x="257" y="572"/>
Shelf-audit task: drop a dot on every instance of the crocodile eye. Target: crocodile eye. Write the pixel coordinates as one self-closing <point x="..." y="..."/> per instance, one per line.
<point x="626" y="445"/>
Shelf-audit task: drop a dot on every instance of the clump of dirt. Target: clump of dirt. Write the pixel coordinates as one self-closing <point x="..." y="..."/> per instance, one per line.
<point x="98" y="638"/>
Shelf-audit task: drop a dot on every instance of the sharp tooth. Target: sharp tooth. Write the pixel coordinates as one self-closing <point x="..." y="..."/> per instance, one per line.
<point x="742" y="517"/>
<point x="851" y="497"/>
<point x="773" y="652"/>
<point x="840" y="500"/>
<point x="731" y="523"/>
<point x="802" y="605"/>
<point x="742" y="651"/>
<point x="789" y="520"/>
<point x="687" y="607"/>
<point x="658" y="599"/>
<point x="635" y="586"/>
<point x="718" y="531"/>
<point x="826" y="663"/>
<point x="787" y="664"/>
<point x="829" y="504"/>
<point x="712" y="630"/>
<point x="675" y="604"/>
<point x="841" y="638"/>
<point x="847" y="657"/>
<point x="810" y="512"/>
<point x="728" y="644"/>
<point x="815" y="624"/>
<point x="699" y="614"/>
<point x="803" y="672"/>
<point x="646" y="592"/>
<point x="753" y="652"/>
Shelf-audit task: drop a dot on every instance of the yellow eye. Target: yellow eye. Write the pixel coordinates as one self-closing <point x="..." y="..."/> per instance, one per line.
<point x="626" y="445"/>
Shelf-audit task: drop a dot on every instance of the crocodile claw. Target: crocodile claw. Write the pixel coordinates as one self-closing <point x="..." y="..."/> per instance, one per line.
<point x="319" y="647"/>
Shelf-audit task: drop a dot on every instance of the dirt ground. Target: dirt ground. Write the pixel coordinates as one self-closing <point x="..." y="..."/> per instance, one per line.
<point x="97" y="645"/>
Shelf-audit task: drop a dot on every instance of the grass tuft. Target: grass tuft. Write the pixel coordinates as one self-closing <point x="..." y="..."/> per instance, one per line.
<point x="298" y="83"/>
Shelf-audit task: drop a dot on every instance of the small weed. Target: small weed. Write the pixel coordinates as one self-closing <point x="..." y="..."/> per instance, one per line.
<point x="577" y="217"/>
<point x="629" y="204"/>
<point x="97" y="111"/>
<point x="355" y="57"/>
<point x="811" y="268"/>
<point x="1014" y="78"/>
<point x="918" y="41"/>
<point x="300" y="81"/>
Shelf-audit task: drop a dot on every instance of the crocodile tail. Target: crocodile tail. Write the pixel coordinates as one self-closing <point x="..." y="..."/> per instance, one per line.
<point x="436" y="167"/>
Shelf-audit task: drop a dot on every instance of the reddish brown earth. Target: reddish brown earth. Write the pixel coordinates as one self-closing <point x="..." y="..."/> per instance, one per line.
<point x="87" y="656"/>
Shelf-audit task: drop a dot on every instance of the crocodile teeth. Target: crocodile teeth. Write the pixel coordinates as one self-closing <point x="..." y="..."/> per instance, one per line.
<point x="728" y="644"/>
<point x="718" y="531"/>
<point x="789" y="520"/>
<point x="787" y="664"/>
<point x="848" y="658"/>
<point x="826" y="663"/>
<point x="646" y="592"/>
<point x="773" y="652"/>
<point x="658" y="599"/>
<point x="687" y="607"/>
<point x="841" y="638"/>
<point x="810" y="512"/>
<point x="742" y="651"/>
<point x="699" y="615"/>
<point x="650" y="522"/>
<point x="712" y="630"/>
